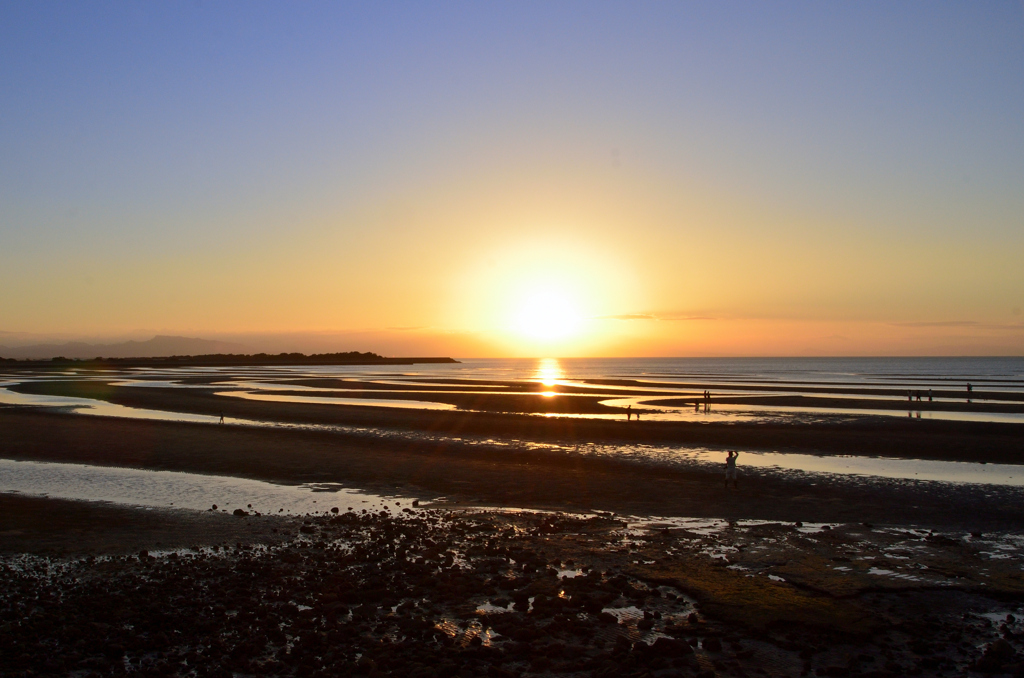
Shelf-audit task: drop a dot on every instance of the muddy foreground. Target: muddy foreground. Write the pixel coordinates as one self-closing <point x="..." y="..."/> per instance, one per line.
<point x="435" y="592"/>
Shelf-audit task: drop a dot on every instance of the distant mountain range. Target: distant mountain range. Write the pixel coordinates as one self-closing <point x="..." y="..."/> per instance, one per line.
<point x="156" y="347"/>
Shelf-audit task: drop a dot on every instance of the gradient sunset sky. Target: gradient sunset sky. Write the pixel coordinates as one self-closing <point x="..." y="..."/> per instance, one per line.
<point x="491" y="179"/>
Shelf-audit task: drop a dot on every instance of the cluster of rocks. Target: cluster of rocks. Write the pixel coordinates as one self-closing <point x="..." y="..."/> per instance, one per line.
<point x="420" y="594"/>
<point x="417" y="595"/>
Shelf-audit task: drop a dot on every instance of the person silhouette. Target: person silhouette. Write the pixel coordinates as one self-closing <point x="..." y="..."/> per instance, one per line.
<point x="730" y="469"/>
<point x="222" y="417"/>
<point x="629" y="412"/>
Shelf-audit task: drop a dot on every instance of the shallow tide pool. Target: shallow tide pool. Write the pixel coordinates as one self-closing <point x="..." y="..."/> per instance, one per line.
<point x="175" y="490"/>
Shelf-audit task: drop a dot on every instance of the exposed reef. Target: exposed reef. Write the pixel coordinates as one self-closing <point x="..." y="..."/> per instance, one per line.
<point x="434" y="593"/>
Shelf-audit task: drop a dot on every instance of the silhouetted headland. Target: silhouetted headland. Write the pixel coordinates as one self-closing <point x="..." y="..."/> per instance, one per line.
<point x="228" y="360"/>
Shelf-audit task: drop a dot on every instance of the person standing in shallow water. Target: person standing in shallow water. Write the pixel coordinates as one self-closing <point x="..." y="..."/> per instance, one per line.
<point x="629" y="412"/>
<point x="730" y="469"/>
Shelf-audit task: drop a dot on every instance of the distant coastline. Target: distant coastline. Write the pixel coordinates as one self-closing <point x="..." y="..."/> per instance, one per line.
<point x="226" y="360"/>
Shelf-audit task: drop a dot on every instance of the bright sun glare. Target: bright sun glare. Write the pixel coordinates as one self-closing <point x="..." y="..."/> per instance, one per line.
<point x="548" y="373"/>
<point x="547" y="314"/>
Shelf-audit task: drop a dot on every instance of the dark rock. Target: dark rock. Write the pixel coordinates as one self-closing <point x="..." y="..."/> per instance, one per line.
<point x="996" y="655"/>
<point x="921" y="647"/>
<point x="669" y="647"/>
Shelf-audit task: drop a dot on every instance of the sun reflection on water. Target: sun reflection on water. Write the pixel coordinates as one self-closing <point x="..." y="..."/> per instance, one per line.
<point x="548" y="373"/>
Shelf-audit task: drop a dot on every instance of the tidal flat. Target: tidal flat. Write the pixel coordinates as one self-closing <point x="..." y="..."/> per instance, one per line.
<point x="480" y="542"/>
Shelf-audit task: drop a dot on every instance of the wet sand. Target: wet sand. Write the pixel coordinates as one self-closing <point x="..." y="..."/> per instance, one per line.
<point x="850" y="434"/>
<point x="894" y="393"/>
<point x="494" y="475"/>
<point x="824" y="402"/>
<point x="54" y="527"/>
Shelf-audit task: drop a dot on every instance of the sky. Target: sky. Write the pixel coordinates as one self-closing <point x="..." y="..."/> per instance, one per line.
<point x="516" y="178"/>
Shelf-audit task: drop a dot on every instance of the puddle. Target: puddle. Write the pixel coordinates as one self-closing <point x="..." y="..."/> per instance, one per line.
<point x="103" y="408"/>
<point x="883" y="467"/>
<point x="172" y="489"/>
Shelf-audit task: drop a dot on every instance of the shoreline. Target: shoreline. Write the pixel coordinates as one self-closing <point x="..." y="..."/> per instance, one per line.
<point x="481" y="475"/>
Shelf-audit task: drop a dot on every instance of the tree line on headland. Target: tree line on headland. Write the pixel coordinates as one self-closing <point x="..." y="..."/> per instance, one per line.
<point x="227" y="359"/>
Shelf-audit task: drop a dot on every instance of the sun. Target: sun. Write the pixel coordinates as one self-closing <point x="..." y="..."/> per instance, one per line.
<point x="547" y="313"/>
<point x="540" y="296"/>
